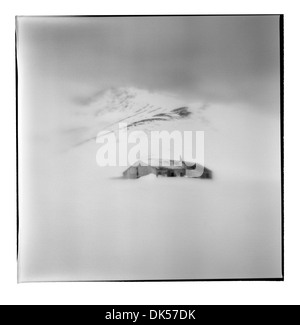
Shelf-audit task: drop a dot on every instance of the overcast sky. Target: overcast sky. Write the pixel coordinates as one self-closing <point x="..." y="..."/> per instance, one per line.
<point x="217" y="59"/>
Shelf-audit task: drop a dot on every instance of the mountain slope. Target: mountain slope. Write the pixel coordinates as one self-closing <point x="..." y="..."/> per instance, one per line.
<point x="140" y="109"/>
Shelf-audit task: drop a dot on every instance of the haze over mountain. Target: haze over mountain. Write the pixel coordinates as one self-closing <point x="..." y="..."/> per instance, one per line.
<point x="139" y="108"/>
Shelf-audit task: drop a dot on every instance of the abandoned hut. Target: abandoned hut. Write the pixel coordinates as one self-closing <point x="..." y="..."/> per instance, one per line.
<point x="195" y="170"/>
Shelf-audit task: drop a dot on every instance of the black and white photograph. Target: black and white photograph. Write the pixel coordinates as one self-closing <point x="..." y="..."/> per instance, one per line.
<point x="149" y="148"/>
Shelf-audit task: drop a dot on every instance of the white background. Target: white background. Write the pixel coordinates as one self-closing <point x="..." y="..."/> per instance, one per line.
<point x="286" y="292"/>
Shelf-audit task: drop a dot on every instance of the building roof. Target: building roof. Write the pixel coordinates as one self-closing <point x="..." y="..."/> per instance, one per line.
<point x="196" y="171"/>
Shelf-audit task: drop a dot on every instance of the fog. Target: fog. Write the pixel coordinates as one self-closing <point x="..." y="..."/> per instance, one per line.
<point x="79" y="221"/>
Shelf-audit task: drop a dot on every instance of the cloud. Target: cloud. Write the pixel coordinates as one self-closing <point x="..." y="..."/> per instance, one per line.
<point x="229" y="59"/>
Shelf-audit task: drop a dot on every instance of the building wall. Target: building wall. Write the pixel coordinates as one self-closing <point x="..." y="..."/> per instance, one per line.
<point x="131" y="172"/>
<point x="138" y="171"/>
<point x="145" y="170"/>
<point x="171" y="172"/>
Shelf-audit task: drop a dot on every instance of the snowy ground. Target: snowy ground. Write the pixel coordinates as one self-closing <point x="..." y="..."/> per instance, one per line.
<point x="79" y="221"/>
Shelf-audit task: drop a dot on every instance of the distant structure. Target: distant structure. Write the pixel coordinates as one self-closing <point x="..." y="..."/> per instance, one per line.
<point x="191" y="170"/>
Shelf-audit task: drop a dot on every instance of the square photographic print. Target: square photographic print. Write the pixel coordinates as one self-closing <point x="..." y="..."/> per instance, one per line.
<point x="149" y="147"/>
